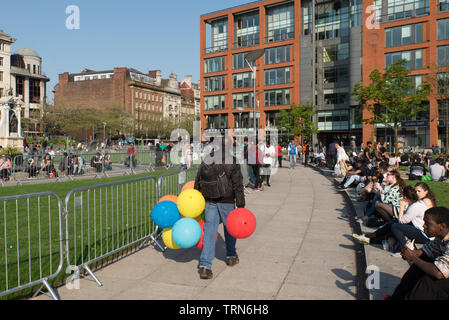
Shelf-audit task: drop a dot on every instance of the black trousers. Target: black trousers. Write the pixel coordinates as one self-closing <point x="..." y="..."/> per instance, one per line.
<point x="280" y="161"/>
<point x="256" y="171"/>
<point x="417" y="285"/>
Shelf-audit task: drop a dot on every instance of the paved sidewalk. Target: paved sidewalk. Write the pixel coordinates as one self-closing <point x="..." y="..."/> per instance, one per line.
<point x="301" y="250"/>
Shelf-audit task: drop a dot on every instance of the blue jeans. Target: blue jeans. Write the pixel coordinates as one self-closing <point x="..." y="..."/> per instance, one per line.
<point x="401" y="231"/>
<point x="213" y="212"/>
<point x="370" y="211"/>
<point x="292" y="160"/>
<point x="352" y="179"/>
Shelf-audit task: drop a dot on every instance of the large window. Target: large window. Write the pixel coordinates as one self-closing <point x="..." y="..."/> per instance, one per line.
<point x="400" y="9"/>
<point x="443" y="5"/>
<point x="277" y="76"/>
<point x="35" y="91"/>
<point x="220" y="35"/>
<point x="280" y="23"/>
<point x="214" y="83"/>
<point x="20" y="87"/>
<point x="216" y="64"/>
<point x="272" y="119"/>
<point x="336" y="52"/>
<point x="242" y="80"/>
<point x="277" y="55"/>
<point x="336" y="96"/>
<point x="403" y="35"/>
<point x="336" y="74"/>
<point x="246" y="30"/>
<point x="275" y="98"/>
<point x="333" y="120"/>
<point x="217" y="121"/>
<point x="238" y="61"/>
<point x="214" y="103"/>
<point x="413" y="59"/>
<point x="443" y="29"/>
<point x="242" y="100"/>
<point x="243" y="120"/>
<point x="443" y="83"/>
<point x="443" y="56"/>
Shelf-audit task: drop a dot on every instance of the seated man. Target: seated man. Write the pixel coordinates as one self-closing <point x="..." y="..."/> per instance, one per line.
<point x="428" y="277"/>
<point x="5" y="167"/>
<point x="437" y="170"/>
<point x="356" y="175"/>
<point x="107" y="161"/>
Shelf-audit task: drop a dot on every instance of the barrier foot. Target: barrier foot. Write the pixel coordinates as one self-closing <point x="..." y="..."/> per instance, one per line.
<point x="152" y="239"/>
<point x="53" y="293"/>
<point x="93" y="275"/>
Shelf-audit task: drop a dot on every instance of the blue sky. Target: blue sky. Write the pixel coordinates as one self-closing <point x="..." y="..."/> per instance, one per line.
<point x="143" y="34"/>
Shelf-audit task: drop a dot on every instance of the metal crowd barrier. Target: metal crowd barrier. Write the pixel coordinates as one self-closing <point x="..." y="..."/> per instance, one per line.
<point x="31" y="238"/>
<point x="105" y="219"/>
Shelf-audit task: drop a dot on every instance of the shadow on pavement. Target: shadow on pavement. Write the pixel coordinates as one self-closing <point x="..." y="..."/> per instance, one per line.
<point x="349" y="281"/>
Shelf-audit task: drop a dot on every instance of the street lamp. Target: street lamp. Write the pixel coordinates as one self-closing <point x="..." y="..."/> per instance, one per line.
<point x="250" y="59"/>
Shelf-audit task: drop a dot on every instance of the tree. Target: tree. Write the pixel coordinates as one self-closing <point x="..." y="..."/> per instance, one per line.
<point x="298" y="121"/>
<point x="392" y="97"/>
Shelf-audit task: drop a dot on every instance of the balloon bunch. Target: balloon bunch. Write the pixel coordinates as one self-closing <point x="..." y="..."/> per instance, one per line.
<point x="181" y="218"/>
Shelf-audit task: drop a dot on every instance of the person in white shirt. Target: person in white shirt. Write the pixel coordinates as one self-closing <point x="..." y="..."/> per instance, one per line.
<point x="437" y="170"/>
<point x="393" y="161"/>
<point x="269" y="157"/>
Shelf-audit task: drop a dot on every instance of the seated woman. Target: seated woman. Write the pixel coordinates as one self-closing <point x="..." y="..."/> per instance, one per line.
<point x="390" y="198"/>
<point x="5" y="167"/>
<point x="411" y="222"/>
<point x="415" y="203"/>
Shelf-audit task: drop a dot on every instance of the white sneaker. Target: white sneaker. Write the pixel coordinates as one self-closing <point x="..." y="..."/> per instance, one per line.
<point x="396" y="255"/>
<point x="361" y="238"/>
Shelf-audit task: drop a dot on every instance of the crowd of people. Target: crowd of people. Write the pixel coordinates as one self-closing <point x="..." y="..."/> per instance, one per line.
<point x="401" y="216"/>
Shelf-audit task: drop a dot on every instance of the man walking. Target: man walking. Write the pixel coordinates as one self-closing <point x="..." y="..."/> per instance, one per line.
<point x="332" y="155"/>
<point x="292" y="154"/>
<point x="218" y="206"/>
<point x="306" y="149"/>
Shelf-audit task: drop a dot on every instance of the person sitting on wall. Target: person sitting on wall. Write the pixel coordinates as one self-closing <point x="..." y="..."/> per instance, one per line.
<point x="5" y="167"/>
<point x="428" y="277"/>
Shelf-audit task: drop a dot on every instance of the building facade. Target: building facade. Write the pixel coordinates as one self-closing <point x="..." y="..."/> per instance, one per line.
<point x="21" y="76"/>
<point x="315" y="52"/>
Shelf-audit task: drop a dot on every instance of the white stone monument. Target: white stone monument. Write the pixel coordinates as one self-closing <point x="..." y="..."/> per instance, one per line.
<point x="11" y="122"/>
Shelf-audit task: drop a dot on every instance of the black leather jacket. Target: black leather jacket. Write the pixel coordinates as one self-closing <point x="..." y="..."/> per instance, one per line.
<point x="233" y="171"/>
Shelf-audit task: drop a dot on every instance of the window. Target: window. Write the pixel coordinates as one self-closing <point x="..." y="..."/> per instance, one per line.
<point x="403" y="35"/>
<point x="443" y="5"/>
<point x="238" y="61"/>
<point x="246" y="30"/>
<point x="243" y="120"/>
<point x="214" y="103"/>
<point x="35" y="91"/>
<point x="277" y="76"/>
<point x="280" y="23"/>
<point x="20" y="87"/>
<point x="242" y="80"/>
<point x="336" y="74"/>
<point x="443" y="29"/>
<point x="401" y="9"/>
<point x="243" y="100"/>
<point x="336" y="52"/>
<point x="1" y="75"/>
<point x="413" y="59"/>
<point x="336" y="96"/>
<point x="443" y="83"/>
<point x="1" y="92"/>
<point x="214" y="64"/>
<point x="220" y="35"/>
<point x="1" y="61"/>
<point x="28" y="67"/>
<point x="214" y="83"/>
<point x="275" y="98"/>
<point x="218" y="121"/>
<point x="272" y="118"/>
<point x="277" y="55"/>
<point x="333" y="120"/>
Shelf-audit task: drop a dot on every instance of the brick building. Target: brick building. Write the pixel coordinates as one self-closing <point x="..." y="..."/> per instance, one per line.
<point x="146" y="96"/>
<point x="316" y="51"/>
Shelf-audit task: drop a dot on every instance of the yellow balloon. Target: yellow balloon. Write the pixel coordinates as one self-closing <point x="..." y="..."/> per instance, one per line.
<point x="168" y="239"/>
<point x="191" y="203"/>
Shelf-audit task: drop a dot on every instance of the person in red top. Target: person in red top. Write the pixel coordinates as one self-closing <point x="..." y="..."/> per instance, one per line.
<point x="279" y="155"/>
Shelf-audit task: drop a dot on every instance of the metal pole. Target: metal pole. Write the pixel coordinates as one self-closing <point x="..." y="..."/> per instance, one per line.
<point x="255" y="100"/>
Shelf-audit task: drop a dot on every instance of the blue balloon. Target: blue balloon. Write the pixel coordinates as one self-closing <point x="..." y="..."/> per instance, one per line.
<point x="186" y="233"/>
<point x="165" y="214"/>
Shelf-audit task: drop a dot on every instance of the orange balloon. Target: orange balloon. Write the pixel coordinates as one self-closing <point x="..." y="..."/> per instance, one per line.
<point x="188" y="185"/>
<point x="169" y="197"/>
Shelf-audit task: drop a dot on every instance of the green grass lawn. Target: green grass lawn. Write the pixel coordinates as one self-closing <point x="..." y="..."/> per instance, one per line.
<point x="100" y="220"/>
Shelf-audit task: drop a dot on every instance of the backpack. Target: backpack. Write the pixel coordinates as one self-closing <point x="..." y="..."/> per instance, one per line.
<point x="221" y="187"/>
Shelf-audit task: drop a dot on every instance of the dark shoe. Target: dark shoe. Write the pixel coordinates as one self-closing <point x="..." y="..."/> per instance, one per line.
<point x="232" y="261"/>
<point x="206" y="274"/>
<point x="268" y="185"/>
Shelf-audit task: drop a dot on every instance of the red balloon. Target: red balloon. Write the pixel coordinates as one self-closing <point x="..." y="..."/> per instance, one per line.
<point x="199" y="245"/>
<point x="241" y="223"/>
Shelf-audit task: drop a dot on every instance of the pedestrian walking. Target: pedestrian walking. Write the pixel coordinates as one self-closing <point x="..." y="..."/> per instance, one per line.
<point x="292" y="154"/>
<point x="222" y="187"/>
